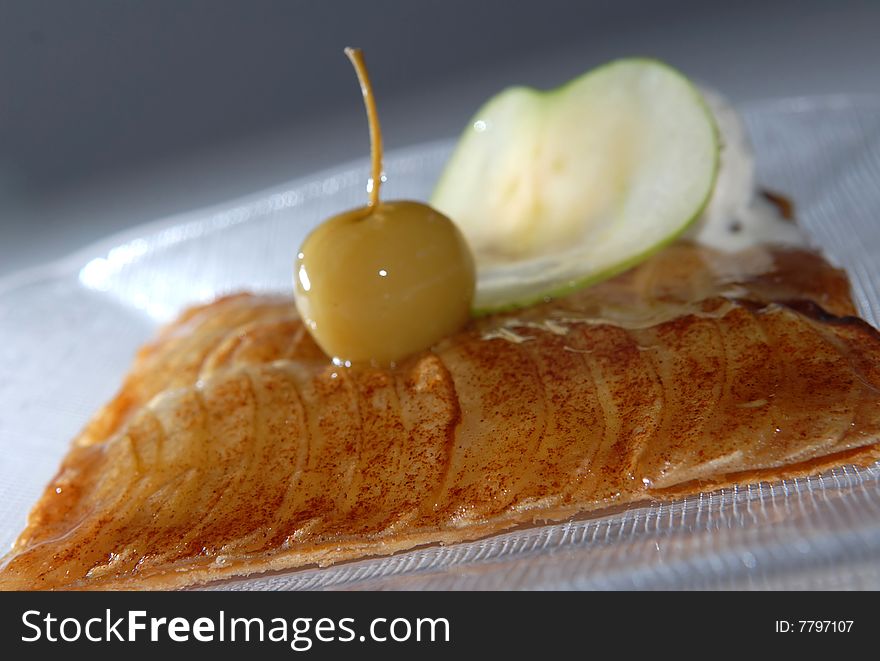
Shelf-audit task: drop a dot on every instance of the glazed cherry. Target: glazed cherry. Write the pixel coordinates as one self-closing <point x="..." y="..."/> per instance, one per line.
<point x="379" y="283"/>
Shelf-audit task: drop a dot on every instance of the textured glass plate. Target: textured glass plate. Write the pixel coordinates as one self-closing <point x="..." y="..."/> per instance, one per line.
<point x="68" y="333"/>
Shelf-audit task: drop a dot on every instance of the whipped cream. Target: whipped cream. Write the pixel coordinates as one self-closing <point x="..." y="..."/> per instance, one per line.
<point x="737" y="215"/>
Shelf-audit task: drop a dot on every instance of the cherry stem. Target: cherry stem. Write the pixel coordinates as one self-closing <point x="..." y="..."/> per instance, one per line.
<point x="356" y="56"/>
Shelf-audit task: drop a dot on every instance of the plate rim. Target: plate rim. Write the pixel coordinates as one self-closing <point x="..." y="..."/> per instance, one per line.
<point x="74" y="261"/>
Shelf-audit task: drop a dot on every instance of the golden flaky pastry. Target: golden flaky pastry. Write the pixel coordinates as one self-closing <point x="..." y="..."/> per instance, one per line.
<point x="235" y="447"/>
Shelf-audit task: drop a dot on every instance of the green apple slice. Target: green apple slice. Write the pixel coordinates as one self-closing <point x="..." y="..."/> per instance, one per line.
<point x="557" y="190"/>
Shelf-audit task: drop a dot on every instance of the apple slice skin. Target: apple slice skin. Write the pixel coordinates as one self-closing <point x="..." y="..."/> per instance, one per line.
<point x="466" y="169"/>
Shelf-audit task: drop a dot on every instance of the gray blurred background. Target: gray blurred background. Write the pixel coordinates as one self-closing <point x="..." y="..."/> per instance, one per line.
<point x="117" y="113"/>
